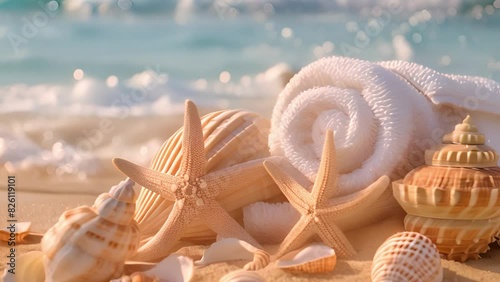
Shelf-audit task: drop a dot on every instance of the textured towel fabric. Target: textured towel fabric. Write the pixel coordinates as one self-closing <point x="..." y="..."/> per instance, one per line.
<point x="384" y="116"/>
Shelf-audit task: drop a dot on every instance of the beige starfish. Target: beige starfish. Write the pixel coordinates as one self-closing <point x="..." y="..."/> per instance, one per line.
<point x="318" y="211"/>
<point x="192" y="191"/>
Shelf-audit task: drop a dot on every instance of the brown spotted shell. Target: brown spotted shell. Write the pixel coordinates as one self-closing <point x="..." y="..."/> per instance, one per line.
<point x="454" y="199"/>
<point x="231" y="137"/>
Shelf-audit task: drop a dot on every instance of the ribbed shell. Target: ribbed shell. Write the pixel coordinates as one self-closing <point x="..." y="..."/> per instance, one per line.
<point x="87" y="246"/>
<point x="231" y="137"/>
<point x="409" y="257"/>
<point x="315" y="258"/>
<point x="458" y="240"/>
<point x="450" y="192"/>
<point x="454" y="199"/>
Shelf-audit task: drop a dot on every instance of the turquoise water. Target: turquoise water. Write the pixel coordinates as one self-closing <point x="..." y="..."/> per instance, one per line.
<point x="42" y="45"/>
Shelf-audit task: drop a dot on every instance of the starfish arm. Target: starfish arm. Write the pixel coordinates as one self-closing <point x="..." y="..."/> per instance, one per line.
<point x="300" y="233"/>
<point x="331" y="235"/>
<point x="293" y="191"/>
<point x="241" y="175"/>
<point x="193" y="161"/>
<point x="325" y="185"/>
<point x="223" y="224"/>
<point x="161" y="243"/>
<point x="153" y="180"/>
<point x="361" y="199"/>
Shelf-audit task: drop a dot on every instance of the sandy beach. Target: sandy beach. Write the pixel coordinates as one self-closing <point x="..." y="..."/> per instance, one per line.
<point x="42" y="197"/>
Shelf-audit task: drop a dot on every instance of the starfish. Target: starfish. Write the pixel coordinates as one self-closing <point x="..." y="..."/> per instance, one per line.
<point x="193" y="191"/>
<point x="318" y="210"/>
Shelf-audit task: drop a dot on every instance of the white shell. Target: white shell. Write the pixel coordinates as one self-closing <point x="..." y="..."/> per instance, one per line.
<point x="315" y="258"/>
<point x="174" y="268"/>
<point x="91" y="244"/>
<point x="22" y="230"/>
<point x="29" y="267"/>
<point x="242" y="276"/>
<point x="234" y="249"/>
<point x="407" y="256"/>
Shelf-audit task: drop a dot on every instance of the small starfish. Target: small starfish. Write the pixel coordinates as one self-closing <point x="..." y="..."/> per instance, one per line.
<point x="318" y="211"/>
<point x="192" y="191"/>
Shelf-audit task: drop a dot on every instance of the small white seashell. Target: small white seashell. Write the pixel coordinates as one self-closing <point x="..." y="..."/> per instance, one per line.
<point x="314" y="258"/>
<point x="92" y="243"/>
<point x="29" y="267"/>
<point x="174" y="268"/>
<point x="242" y="276"/>
<point x="407" y="256"/>
<point x="230" y="249"/>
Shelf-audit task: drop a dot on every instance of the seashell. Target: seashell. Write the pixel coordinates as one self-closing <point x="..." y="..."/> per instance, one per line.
<point x="315" y="258"/>
<point x="454" y="199"/>
<point x="407" y="256"/>
<point x="231" y="249"/>
<point x="231" y="137"/>
<point x="242" y="276"/>
<point x="174" y="268"/>
<point x="92" y="243"/>
<point x="29" y="267"/>
<point x="22" y="230"/>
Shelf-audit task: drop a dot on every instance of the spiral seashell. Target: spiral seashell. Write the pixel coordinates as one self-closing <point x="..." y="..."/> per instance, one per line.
<point x="315" y="258"/>
<point x="231" y="137"/>
<point x="92" y="243"/>
<point x="454" y="199"/>
<point x="242" y="276"/>
<point x="409" y="257"/>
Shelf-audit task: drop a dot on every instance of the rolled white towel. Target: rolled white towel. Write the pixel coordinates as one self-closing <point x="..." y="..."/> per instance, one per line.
<point x="384" y="116"/>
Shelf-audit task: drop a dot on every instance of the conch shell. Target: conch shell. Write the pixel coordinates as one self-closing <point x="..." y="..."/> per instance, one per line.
<point x="92" y="243"/>
<point x="407" y="256"/>
<point x="231" y="137"/>
<point x="315" y="258"/>
<point x="454" y="199"/>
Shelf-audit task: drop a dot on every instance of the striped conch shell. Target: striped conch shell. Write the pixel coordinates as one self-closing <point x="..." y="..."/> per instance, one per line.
<point x="231" y="137"/>
<point x="454" y="199"/>
<point x="409" y="257"/>
<point x="92" y="243"/>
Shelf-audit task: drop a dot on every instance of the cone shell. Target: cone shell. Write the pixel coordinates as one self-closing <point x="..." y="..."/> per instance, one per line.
<point x="231" y="137"/>
<point x="315" y="258"/>
<point x="407" y="256"/>
<point x="454" y="199"/>
<point x="92" y="243"/>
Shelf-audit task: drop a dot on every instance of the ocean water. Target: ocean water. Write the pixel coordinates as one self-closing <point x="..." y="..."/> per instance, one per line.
<point x="81" y="57"/>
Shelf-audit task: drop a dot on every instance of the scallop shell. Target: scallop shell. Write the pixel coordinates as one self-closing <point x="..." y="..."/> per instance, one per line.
<point x="92" y="243"/>
<point x="242" y="276"/>
<point x="407" y="256"/>
<point x="315" y="258"/>
<point x="231" y="137"/>
<point x="454" y="198"/>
